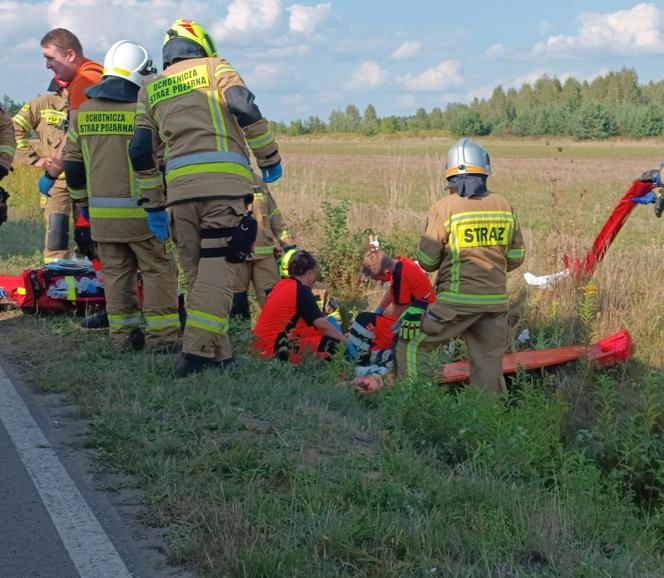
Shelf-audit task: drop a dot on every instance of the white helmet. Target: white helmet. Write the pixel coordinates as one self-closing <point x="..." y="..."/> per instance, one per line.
<point x="130" y="61"/>
<point x="466" y="157"/>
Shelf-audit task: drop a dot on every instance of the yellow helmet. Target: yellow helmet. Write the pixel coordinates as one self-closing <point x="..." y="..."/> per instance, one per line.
<point x="187" y="39"/>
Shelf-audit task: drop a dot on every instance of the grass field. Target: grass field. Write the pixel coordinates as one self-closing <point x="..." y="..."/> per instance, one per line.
<point x="274" y="471"/>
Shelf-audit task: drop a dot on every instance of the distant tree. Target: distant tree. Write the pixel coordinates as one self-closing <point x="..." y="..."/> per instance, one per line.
<point x="11" y="107"/>
<point x="314" y="124"/>
<point x="593" y="121"/>
<point x="353" y="118"/>
<point x="296" y="128"/>
<point x="464" y="121"/>
<point x="389" y="125"/>
<point x="370" y="122"/>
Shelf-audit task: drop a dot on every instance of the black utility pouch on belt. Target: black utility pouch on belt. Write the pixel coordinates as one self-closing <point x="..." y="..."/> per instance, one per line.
<point x="240" y="244"/>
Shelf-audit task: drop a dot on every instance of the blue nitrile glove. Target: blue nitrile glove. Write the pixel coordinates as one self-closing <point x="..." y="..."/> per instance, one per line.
<point x="379" y="311"/>
<point x="273" y="173"/>
<point x="158" y="223"/>
<point x="45" y="184"/>
<point x="85" y="213"/>
<point x="410" y="323"/>
<point x="646" y="199"/>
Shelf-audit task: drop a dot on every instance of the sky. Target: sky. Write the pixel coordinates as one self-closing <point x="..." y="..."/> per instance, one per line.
<point x="308" y="58"/>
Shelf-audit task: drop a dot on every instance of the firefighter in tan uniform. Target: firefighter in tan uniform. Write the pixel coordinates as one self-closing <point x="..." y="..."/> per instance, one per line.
<point x="7" y="152"/>
<point x="7" y="144"/>
<point x="98" y="169"/>
<point x="47" y="116"/>
<point x="206" y="117"/>
<point x="472" y="239"/>
<point x="272" y="239"/>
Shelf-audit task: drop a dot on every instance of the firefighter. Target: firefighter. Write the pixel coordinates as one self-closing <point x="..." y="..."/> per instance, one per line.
<point x="406" y="298"/>
<point x="291" y="323"/>
<point x="7" y="151"/>
<point x="206" y="117"/>
<point x="97" y="168"/>
<point x="272" y="240"/>
<point x="64" y="56"/>
<point x="472" y="239"/>
<point x="7" y="144"/>
<point x="47" y="116"/>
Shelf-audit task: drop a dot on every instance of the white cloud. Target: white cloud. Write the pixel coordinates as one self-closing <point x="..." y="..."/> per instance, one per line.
<point x="368" y="74"/>
<point x="498" y="51"/>
<point x="633" y="31"/>
<point x="246" y="17"/>
<point x="440" y="77"/>
<point x="408" y="49"/>
<point x="407" y="101"/>
<point x="305" y="19"/>
<point x="292" y="99"/>
<point x="528" y="78"/>
<point x="264" y="76"/>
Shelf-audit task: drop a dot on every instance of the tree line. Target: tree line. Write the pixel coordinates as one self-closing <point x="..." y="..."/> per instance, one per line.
<point x="611" y="105"/>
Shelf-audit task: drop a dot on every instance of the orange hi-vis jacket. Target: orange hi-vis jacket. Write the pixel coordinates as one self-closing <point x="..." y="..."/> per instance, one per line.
<point x="284" y="328"/>
<point x="472" y="243"/>
<point x="88" y="74"/>
<point x="410" y="284"/>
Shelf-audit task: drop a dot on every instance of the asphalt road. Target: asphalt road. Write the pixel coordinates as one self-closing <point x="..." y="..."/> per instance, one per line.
<point x="30" y="545"/>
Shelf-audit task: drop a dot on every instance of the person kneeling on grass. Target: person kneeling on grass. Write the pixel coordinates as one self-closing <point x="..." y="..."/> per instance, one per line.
<point x="410" y="291"/>
<point x="290" y="322"/>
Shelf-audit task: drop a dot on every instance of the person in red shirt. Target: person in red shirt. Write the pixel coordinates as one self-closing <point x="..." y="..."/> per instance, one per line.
<point x="290" y="322"/>
<point x="399" y="311"/>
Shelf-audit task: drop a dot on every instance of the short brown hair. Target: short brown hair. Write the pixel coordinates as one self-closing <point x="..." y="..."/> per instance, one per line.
<point x="375" y="262"/>
<point x="300" y="263"/>
<point x="63" y="39"/>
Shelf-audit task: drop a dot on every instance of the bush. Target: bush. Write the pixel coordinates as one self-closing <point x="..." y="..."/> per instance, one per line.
<point x="593" y="121"/>
<point x="464" y="121"/>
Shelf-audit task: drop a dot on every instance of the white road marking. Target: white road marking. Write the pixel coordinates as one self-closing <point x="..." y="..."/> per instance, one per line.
<point x="89" y="548"/>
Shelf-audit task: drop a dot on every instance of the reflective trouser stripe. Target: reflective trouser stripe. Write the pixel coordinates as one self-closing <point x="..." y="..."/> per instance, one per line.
<point x="159" y="322"/>
<point x="71" y="288"/>
<point x="411" y="356"/>
<point x="228" y="168"/>
<point x="8" y="150"/>
<point x="470" y="299"/>
<point x="264" y="250"/>
<point x="122" y="321"/>
<point x="206" y="321"/>
<point x="102" y="213"/>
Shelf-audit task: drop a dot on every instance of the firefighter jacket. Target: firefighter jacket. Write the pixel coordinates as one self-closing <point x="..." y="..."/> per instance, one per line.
<point x="98" y="168"/>
<point x="7" y="142"/>
<point x="206" y="118"/>
<point x="47" y="116"/>
<point x="272" y="229"/>
<point x="473" y="243"/>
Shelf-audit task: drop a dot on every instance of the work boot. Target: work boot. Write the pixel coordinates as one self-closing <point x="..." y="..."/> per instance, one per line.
<point x="191" y="364"/>
<point x="228" y="365"/>
<point x="136" y="339"/>
<point x="97" y="321"/>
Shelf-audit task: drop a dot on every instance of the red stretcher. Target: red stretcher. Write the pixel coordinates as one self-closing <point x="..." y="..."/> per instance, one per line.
<point x="612" y="350"/>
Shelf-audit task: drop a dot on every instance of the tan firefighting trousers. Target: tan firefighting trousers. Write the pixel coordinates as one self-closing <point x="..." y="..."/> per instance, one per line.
<point x="262" y="273"/>
<point x="57" y="214"/>
<point x="210" y="280"/>
<point x="485" y="335"/>
<point x="160" y="303"/>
